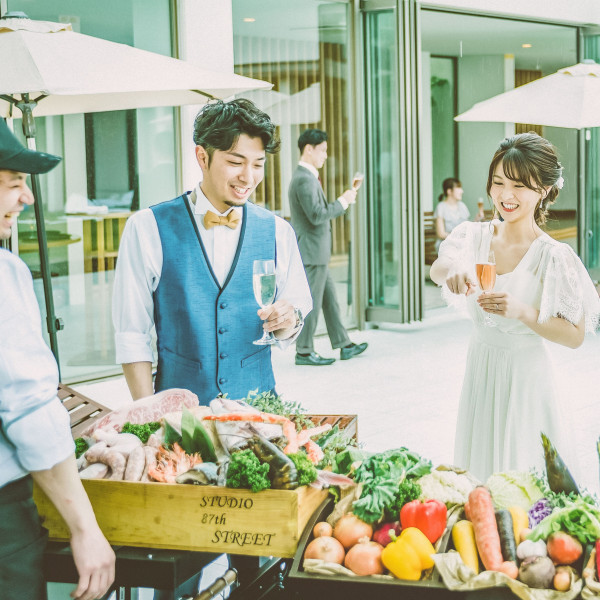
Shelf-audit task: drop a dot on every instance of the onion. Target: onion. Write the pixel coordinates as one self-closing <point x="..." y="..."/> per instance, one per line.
<point x="322" y="528"/>
<point x="325" y="548"/>
<point x="365" y="558"/>
<point x="349" y="529"/>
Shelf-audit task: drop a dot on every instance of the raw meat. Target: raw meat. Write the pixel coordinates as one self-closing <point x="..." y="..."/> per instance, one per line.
<point x="146" y="410"/>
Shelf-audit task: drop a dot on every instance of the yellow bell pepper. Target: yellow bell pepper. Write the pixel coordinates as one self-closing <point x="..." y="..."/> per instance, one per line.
<point x="408" y="555"/>
<point x="424" y="548"/>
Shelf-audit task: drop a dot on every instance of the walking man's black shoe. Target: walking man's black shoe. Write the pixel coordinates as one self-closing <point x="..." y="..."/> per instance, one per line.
<point x="313" y="359"/>
<point x="352" y="350"/>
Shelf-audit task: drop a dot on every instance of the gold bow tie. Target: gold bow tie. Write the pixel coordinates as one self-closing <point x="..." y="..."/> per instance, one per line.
<point x="231" y="220"/>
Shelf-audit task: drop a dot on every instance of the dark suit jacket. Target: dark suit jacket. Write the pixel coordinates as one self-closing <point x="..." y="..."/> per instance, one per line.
<point x="311" y="216"/>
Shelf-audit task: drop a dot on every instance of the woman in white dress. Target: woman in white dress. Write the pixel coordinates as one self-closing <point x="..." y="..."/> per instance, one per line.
<point x="451" y="211"/>
<point x="542" y="292"/>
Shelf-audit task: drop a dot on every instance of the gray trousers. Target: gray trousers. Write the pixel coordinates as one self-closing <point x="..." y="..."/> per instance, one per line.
<point x="322" y="290"/>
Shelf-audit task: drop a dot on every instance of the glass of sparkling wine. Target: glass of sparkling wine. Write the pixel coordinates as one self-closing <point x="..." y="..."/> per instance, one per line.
<point x="263" y="281"/>
<point x="357" y="180"/>
<point x="486" y="276"/>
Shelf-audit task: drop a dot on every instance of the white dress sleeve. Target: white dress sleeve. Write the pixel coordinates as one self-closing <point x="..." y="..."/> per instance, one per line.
<point x="568" y="291"/>
<point x="458" y="249"/>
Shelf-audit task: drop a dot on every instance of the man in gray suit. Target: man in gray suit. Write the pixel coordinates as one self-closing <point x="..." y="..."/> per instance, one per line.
<point x="311" y="217"/>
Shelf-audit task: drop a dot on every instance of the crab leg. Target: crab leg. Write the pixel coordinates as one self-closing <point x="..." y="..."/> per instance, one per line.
<point x="289" y="429"/>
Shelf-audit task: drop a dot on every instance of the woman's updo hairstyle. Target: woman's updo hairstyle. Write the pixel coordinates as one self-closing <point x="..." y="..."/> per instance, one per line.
<point x="532" y="161"/>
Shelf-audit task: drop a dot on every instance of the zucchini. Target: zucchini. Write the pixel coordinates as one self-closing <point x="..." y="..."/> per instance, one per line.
<point x="508" y="544"/>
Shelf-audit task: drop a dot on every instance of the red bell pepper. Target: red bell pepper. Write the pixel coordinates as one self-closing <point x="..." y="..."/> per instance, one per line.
<point x="428" y="516"/>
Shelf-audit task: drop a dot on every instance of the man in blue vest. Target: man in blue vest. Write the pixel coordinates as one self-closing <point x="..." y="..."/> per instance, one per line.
<point x="185" y="268"/>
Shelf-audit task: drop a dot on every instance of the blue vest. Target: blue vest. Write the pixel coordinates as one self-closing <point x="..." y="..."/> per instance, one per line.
<point x="205" y="332"/>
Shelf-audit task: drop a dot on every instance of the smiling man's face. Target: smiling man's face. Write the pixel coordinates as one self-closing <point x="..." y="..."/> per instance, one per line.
<point x="230" y="176"/>
<point x="14" y="195"/>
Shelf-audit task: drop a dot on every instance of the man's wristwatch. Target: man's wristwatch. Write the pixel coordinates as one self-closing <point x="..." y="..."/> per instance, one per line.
<point x="299" y="318"/>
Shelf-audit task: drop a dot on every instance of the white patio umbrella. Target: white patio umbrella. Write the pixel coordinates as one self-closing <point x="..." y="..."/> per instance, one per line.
<point x="568" y="98"/>
<point x="77" y="73"/>
<point x="51" y="70"/>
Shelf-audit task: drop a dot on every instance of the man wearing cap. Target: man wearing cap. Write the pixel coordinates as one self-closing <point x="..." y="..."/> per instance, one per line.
<point x="35" y="436"/>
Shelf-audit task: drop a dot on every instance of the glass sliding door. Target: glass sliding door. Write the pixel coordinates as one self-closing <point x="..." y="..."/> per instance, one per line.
<point x="302" y="49"/>
<point x="590" y="239"/>
<point x="393" y="112"/>
<point x="383" y="157"/>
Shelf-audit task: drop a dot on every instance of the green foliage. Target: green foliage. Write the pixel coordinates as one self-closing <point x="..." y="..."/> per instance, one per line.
<point x="307" y="472"/>
<point x="272" y="403"/>
<point x="142" y="431"/>
<point x="333" y="442"/>
<point x="388" y="480"/>
<point x="80" y="447"/>
<point x="245" y="471"/>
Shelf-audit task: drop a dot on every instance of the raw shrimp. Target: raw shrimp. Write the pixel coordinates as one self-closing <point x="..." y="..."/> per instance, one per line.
<point x="171" y="463"/>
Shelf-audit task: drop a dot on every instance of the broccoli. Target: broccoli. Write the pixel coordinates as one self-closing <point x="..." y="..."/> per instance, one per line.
<point x="307" y="472"/>
<point x="80" y="446"/>
<point x="245" y="471"/>
<point x="142" y="431"/>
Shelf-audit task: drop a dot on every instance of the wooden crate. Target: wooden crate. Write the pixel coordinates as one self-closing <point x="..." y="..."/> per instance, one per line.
<point x="190" y="517"/>
<point x="199" y="518"/>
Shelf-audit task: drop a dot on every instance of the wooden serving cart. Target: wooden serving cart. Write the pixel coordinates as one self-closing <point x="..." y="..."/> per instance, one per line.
<point x="165" y="534"/>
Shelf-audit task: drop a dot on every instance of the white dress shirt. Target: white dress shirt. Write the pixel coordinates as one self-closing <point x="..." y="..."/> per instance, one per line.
<point x="314" y="171"/>
<point x="139" y="266"/>
<point x="35" y="432"/>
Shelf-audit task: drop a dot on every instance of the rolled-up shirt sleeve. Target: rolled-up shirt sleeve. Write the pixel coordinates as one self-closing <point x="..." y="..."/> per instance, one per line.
<point x="136" y="278"/>
<point x="34" y="423"/>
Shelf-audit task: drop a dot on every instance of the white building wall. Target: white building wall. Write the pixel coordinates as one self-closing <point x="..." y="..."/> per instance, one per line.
<point x="206" y="39"/>
<point x="562" y="11"/>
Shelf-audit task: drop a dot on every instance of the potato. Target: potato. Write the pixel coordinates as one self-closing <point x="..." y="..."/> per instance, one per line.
<point x="537" y="572"/>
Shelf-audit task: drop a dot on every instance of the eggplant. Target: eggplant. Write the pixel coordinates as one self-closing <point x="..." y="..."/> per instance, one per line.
<point x="559" y="477"/>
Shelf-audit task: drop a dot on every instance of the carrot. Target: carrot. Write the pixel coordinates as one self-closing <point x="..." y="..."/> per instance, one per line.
<point x="481" y="511"/>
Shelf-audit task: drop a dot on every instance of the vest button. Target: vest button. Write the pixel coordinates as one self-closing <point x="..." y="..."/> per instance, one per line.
<point x="223" y="305"/>
<point x="223" y="355"/>
<point x="222" y="330"/>
<point x="222" y="380"/>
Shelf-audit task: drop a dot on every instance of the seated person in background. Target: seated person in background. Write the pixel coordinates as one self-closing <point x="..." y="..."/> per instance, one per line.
<point x="450" y="211"/>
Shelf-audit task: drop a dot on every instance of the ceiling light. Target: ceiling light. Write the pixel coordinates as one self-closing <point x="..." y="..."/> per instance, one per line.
<point x="249" y="20"/>
<point x="526" y="46"/>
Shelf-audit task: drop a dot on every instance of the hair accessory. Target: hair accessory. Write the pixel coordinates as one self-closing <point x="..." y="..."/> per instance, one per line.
<point x="560" y="182"/>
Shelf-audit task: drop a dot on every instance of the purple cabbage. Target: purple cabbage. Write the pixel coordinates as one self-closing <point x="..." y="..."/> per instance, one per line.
<point x="539" y="511"/>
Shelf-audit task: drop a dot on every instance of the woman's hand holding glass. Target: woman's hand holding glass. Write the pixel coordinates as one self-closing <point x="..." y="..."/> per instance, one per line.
<point x="504" y="305"/>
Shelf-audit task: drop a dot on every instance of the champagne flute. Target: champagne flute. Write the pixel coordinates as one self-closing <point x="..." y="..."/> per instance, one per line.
<point x="486" y="276"/>
<point x="357" y="180"/>
<point x="263" y="282"/>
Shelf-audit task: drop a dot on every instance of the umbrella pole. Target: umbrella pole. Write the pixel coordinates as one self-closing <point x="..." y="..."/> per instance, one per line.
<point x="53" y="323"/>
